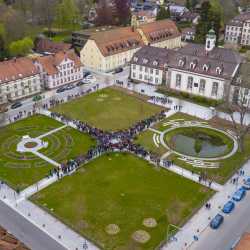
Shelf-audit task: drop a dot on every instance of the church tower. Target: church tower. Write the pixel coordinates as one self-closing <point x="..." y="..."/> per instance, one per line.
<point x="210" y="40"/>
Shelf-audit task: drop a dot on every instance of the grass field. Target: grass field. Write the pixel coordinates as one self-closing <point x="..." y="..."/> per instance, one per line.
<point x="227" y="166"/>
<point x="146" y="140"/>
<point x="122" y="189"/>
<point x="20" y="170"/>
<point x="108" y="109"/>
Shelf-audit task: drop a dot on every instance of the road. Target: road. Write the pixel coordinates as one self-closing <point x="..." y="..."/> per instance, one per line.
<point x="234" y="225"/>
<point x="25" y="231"/>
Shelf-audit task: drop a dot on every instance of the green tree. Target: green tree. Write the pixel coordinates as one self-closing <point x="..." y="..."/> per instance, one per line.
<point x="67" y="14"/>
<point x="210" y="18"/>
<point x="163" y="14"/>
<point x="21" y="47"/>
<point x="188" y="5"/>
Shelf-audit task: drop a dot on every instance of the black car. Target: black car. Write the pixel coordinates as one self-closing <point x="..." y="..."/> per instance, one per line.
<point x="118" y="70"/>
<point x="86" y="74"/>
<point x="16" y="105"/>
<point x="60" y="90"/>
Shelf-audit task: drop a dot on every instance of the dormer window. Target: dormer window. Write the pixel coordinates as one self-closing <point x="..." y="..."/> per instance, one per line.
<point x="155" y="63"/>
<point x="181" y="62"/>
<point x="165" y="65"/>
<point x="192" y="65"/>
<point x="205" y="67"/>
<point x="145" y="61"/>
<point x="135" y="59"/>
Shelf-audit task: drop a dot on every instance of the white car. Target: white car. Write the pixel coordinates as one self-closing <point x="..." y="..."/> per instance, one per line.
<point x="89" y="79"/>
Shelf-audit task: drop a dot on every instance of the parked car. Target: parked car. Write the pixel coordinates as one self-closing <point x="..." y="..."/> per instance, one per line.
<point x="16" y="105"/>
<point x="86" y="74"/>
<point x="80" y="83"/>
<point x="70" y="86"/>
<point x="60" y="90"/>
<point x="216" y="221"/>
<point x="228" y="207"/>
<point x="37" y="98"/>
<point x="239" y="194"/>
<point x="247" y="183"/>
<point x="118" y="70"/>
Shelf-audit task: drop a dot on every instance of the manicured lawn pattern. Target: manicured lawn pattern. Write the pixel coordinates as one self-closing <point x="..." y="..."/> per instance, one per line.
<point x="108" y="109"/>
<point x="227" y="166"/>
<point x="20" y="170"/>
<point x="122" y="189"/>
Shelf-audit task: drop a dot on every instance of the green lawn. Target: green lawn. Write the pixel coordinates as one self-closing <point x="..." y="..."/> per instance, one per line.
<point x="227" y="166"/>
<point x="146" y="140"/>
<point x="108" y="109"/>
<point x="20" y="170"/>
<point x="124" y="190"/>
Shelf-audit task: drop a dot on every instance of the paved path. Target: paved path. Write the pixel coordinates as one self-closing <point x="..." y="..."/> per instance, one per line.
<point x="44" y="157"/>
<point x="192" y="176"/>
<point x="200" y="221"/>
<point x="52" y="132"/>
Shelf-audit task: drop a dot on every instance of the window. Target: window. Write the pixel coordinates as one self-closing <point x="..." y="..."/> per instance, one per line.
<point x="156" y="80"/>
<point x="215" y="88"/>
<point x="246" y="92"/>
<point x="178" y="81"/>
<point x="140" y="76"/>
<point x="157" y="72"/>
<point x="140" y="68"/>
<point x="134" y="66"/>
<point x="145" y="78"/>
<point x="133" y="75"/>
<point x="202" y="86"/>
<point x="146" y="69"/>
<point x="190" y="82"/>
<point x="151" y="71"/>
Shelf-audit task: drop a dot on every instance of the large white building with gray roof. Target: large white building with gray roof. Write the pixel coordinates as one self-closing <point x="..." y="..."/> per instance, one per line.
<point x="202" y="70"/>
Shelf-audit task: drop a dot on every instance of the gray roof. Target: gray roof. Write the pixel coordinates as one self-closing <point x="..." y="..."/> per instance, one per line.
<point x="240" y="19"/>
<point x="225" y="59"/>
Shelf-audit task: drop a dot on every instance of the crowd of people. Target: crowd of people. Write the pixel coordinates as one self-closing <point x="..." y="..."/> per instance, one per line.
<point x="117" y="141"/>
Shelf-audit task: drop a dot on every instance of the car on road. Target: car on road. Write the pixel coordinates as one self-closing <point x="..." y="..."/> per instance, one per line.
<point x="80" y="83"/>
<point x="216" y="221"/>
<point x="247" y="183"/>
<point x="86" y="74"/>
<point x="69" y="87"/>
<point x="239" y="194"/>
<point x="118" y="70"/>
<point x="228" y="207"/>
<point x="16" y="105"/>
<point x="37" y="98"/>
<point x="60" y="90"/>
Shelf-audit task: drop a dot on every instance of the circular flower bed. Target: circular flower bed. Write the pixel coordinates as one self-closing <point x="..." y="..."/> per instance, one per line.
<point x="30" y="144"/>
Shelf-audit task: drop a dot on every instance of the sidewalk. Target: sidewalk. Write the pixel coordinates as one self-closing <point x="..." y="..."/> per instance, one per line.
<point x="200" y="221"/>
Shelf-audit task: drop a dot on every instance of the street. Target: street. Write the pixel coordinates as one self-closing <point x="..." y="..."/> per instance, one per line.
<point x="25" y="231"/>
<point x="234" y="225"/>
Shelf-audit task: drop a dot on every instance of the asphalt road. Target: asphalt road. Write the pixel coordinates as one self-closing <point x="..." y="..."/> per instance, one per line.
<point x="234" y="225"/>
<point x="25" y="231"/>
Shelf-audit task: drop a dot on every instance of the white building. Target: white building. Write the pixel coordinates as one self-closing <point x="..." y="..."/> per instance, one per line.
<point x="107" y="50"/>
<point x="196" y="69"/>
<point x="59" y="69"/>
<point x="238" y="30"/>
<point x="19" y="78"/>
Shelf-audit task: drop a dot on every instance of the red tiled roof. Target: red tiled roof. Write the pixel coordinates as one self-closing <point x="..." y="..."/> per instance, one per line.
<point x="15" y="69"/>
<point x="51" y="62"/>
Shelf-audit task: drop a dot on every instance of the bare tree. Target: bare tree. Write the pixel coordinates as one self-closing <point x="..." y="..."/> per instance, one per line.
<point x="238" y="108"/>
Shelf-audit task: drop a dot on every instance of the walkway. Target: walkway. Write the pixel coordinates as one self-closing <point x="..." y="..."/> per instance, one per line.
<point x="52" y="132"/>
<point x="192" y="176"/>
<point x="45" y="158"/>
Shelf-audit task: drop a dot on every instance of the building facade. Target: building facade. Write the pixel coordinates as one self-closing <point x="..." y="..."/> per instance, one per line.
<point x="196" y="69"/>
<point x="19" y="78"/>
<point x="59" y="69"/>
<point x="108" y="50"/>
<point x="237" y="31"/>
